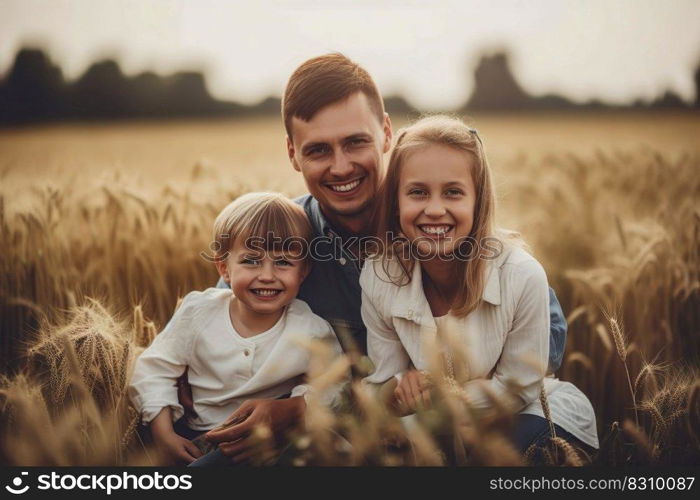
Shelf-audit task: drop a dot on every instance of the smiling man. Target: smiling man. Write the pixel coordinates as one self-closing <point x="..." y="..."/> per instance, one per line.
<point x="337" y="135"/>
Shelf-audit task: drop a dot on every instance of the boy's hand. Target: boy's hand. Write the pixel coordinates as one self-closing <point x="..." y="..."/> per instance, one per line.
<point x="237" y="438"/>
<point x="412" y="392"/>
<point x="176" y="449"/>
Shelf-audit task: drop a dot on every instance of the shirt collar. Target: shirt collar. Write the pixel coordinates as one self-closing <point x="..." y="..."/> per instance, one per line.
<point x="412" y="304"/>
<point x="492" y="286"/>
<point x="321" y="224"/>
<point x="318" y="221"/>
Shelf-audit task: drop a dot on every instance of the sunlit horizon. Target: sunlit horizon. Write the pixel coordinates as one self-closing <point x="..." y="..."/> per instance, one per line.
<point x="423" y="51"/>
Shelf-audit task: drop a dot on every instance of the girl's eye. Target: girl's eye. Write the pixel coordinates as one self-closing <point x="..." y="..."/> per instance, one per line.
<point x="417" y="192"/>
<point x="252" y="262"/>
<point x="283" y="262"/>
<point x="454" y="192"/>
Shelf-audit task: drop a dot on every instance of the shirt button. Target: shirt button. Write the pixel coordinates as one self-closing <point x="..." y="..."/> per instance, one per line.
<point x="246" y="352"/>
<point x="342" y="261"/>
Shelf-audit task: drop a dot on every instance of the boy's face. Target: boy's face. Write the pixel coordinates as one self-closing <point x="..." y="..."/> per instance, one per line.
<point x="263" y="281"/>
<point x="340" y="153"/>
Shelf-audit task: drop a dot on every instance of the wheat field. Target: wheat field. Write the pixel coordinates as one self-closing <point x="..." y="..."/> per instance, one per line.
<point x="101" y="227"/>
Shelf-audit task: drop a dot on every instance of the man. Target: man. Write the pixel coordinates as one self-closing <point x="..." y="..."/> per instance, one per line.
<point x="337" y="134"/>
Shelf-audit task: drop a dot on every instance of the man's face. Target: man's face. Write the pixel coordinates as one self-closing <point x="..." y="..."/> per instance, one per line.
<point x="340" y="152"/>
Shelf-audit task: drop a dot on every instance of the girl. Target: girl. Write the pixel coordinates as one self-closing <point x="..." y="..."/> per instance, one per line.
<point x="237" y="343"/>
<point x="452" y="272"/>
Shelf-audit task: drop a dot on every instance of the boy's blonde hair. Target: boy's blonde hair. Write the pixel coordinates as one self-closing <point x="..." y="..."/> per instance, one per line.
<point x="270" y="220"/>
<point x="451" y="132"/>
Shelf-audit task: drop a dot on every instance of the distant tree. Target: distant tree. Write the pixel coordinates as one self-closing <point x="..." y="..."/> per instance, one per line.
<point x="270" y="105"/>
<point x="101" y="92"/>
<point x="188" y="94"/>
<point x="33" y="88"/>
<point x="669" y="100"/>
<point x="148" y="95"/>
<point x="495" y="87"/>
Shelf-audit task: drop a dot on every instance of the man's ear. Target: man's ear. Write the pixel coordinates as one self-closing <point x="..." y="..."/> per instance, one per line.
<point x="388" y="133"/>
<point x="290" y="154"/>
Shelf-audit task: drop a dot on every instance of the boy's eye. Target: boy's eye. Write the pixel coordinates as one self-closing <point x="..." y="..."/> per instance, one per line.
<point x="283" y="262"/>
<point x="253" y="262"/>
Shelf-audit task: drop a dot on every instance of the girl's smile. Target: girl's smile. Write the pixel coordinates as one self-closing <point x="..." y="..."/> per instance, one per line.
<point x="436" y="231"/>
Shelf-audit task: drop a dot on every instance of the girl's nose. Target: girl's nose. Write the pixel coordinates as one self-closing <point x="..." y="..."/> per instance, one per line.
<point x="435" y="208"/>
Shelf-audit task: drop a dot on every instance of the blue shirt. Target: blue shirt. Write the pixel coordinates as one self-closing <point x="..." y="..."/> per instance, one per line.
<point x="332" y="288"/>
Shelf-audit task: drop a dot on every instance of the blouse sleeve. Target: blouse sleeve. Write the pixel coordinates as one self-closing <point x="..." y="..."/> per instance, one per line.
<point x="383" y="344"/>
<point x="153" y="383"/>
<point x="523" y="362"/>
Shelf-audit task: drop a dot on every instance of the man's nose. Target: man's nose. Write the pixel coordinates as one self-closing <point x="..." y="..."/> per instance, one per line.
<point x="342" y="164"/>
<point x="435" y="208"/>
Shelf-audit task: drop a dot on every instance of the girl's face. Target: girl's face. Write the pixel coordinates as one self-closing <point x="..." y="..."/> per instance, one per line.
<point x="436" y="199"/>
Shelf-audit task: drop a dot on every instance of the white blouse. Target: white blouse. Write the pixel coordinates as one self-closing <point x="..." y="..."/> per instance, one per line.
<point x="505" y="339"/>
<point x="225" y="369"/>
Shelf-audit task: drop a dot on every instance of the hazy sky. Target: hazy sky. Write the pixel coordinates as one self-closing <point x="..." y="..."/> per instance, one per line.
<point x="616" y="50"/>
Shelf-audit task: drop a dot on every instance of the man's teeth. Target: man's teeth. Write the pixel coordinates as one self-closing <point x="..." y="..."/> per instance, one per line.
<point x="265" y="293"/>
<point x="435" y="229"/>
<point x="346" y="187"/>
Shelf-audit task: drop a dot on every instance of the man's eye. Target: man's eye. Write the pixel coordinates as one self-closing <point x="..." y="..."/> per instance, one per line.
<point x="357" y="141"/>
<point x="317" y="151"/>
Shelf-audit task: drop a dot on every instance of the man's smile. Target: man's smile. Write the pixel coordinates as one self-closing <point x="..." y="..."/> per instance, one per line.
<point x="346" y="187"/>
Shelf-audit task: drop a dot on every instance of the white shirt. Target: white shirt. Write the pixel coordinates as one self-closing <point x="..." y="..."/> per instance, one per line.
<point x="505" y="339"/>
<point x="225" y="369"/>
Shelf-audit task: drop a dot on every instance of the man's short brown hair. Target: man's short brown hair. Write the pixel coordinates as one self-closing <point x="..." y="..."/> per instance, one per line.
<point x="325" y="80"/>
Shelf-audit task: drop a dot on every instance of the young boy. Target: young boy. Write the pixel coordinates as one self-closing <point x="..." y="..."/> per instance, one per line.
<point x="239" y="343"/>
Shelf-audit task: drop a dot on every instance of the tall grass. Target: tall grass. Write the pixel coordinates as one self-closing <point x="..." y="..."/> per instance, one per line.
<point x="87" y="278"/>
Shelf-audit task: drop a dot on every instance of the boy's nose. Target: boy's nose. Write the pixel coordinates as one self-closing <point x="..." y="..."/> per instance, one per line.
<point x="266" y="273"/>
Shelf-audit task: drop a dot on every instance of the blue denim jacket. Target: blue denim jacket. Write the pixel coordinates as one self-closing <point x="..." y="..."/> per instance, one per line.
<point x="333" y="291"/>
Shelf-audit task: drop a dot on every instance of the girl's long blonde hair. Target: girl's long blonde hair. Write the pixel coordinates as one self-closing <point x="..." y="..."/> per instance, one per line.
<point x="451" y="132"/>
